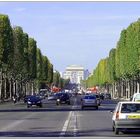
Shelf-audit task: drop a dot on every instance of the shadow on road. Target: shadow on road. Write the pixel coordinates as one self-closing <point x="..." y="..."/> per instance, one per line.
<point x="84" y="133"/>
<point x="54" y="109"/>
<point x="106" y="133"/>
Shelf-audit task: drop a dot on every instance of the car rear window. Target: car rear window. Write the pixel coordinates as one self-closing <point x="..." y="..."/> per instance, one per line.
<point x="130" y="108"/>
<point x="89" y="97"/>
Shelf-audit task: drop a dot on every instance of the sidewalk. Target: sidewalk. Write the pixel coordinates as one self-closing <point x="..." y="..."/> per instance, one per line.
<point x="5" y="101"/>
<point x="121" y="99"/>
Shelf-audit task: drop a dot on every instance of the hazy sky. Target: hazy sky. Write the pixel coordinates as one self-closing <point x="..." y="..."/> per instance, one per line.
<point x="69" y="33"/>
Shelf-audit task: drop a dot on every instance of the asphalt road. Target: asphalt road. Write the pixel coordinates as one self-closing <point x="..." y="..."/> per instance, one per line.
<point x="16" y="120"/>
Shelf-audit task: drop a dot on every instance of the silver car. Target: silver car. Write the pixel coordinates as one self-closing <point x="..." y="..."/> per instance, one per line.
<point x="89" y="101"/>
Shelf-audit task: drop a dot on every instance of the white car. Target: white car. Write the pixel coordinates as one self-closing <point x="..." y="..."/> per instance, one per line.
<point x="126" y="116"/>
<point x="136" y="97"/>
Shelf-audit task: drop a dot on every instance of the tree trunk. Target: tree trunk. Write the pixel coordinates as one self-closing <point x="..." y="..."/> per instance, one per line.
<point x="116" y="90"/>
<point x="138" y="87"/>
<point x="14" y="88"/>
<point x="129" y="89"/>
<point x="5" y="86"/>
<point x="10" y="88"/>
<point x="26" y="88"/>
<point x="122" y="86"/>
<point x="113" y="94"/>
<point x="0" y="82"/>
<point x="32" y="88"/>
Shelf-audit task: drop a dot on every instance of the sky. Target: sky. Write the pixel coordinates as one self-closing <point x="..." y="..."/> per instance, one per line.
<point x="73" y="33"/>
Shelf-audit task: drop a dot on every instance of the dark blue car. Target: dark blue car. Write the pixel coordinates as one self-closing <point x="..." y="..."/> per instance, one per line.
<point x="26" y="98"/>
<point x="34" y="100"/>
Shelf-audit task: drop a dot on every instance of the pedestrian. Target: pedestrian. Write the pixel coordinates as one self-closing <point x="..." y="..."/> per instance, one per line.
<point x="14" y="99"/>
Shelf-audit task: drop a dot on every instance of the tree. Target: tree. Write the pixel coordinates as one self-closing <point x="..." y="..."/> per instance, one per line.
<point x="18" y="52"/>
<point x="56" y="78"/>
<point x="6" y="41"/>
<point x="39" y="65"/>
<point x="45" y="68"/>
<point x="6" y="49"/>
<point x="32" y="58"/>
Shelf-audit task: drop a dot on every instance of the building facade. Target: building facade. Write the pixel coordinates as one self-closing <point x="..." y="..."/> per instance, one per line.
<point x="75" y="73"/>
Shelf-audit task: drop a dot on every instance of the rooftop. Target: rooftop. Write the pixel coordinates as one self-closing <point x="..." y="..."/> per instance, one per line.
<point x="74" y="67"/>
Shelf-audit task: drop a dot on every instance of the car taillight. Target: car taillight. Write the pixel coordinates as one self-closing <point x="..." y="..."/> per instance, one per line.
<point x="117" y="115"/>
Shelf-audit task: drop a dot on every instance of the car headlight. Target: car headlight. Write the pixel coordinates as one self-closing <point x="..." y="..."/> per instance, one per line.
<point x="58" y="99"/>
<point x="29" y="102"/>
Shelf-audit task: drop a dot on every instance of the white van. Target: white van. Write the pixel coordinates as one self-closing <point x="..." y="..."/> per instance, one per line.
<point x="136" y="97"/>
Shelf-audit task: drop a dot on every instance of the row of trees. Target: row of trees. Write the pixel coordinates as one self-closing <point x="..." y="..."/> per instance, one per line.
<point x="58" y="81"/>
<point x="23" y="68"/>
<point x="119" y="73"/>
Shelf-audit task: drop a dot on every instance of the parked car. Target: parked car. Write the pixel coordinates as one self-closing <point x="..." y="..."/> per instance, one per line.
<point x="89" y="101"/>
<point x="41" y="95"/>
<point x="102" y="96"/>
<point x="98" y="99"/>
<point x="126" y="116"/>
<point x="63" y="98"/>
<point x="136" y="97"/>
<point x="107" y="96"/>
<point x="34" y="100"/>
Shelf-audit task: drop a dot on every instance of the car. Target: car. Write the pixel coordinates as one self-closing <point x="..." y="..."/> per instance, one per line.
<point x="45" y="92"/>
<point x="97" y="97"/>
<point x="62" y="98"/>
<point x="89" y="101"/>
<point x="34" y="100"/>
<point x="107" y="96"/>
<point x="136" y="97"/>
<point x="126" y="116"/>
<point x="53" y="96"/>
<point x="41" y="95"/>
<point x="70" y="94"/>
<point x="26" y="98"/>
<point x="102" y="96"/>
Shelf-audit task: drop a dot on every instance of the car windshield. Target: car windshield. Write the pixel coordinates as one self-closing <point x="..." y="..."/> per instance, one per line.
<point x="64" y="95"/>
<point x="33" y="97"/>
<point x="130" y="108"/>
<point x="89" y="97"/>
<point x="137" y="97"/>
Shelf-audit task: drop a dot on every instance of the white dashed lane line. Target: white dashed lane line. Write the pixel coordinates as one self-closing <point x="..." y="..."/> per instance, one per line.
<point x="71" y="120"/>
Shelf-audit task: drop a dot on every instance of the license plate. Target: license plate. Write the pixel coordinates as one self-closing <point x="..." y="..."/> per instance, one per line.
<point x="89" y="101"/>
<point x="133" y="117"/>
<point x="63" y="102"/>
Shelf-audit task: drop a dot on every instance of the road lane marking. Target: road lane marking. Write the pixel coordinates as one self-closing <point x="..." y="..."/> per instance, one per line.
<point x="75" y="125"/>
<point x="64" y="129"/>
<point x="71" y="119"/>
<point x="75" y="128"/>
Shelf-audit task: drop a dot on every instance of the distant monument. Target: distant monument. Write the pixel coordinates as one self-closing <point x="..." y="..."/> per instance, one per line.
<point x="75" y="73"/>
